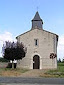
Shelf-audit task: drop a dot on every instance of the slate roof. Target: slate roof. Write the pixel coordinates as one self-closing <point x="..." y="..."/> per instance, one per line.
<point x="37" y="17"/>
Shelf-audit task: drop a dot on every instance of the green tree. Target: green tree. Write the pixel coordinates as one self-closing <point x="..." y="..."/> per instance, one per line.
<point x="59" y="61"/>
<point x="13" y="50"/>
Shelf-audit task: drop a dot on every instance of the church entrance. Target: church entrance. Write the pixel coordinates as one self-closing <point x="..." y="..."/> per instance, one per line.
<point x="36" y="62"/>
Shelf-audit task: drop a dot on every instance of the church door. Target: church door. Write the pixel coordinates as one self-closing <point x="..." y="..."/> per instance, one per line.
<point x="36" y="62"/>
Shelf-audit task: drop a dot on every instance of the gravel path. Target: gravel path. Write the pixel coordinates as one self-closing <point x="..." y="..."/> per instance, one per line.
<point x="33" y="73"/>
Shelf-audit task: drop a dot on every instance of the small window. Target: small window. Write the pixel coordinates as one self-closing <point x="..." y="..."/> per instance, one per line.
<point x="36" y="42"/>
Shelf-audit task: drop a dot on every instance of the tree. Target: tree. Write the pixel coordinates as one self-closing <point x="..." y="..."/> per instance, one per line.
<point x="13" y="51"/>
<point x="59" y="61"/>
<point x="63" y="60"/>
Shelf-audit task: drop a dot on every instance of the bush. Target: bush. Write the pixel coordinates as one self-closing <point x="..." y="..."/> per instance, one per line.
<point x="3" y="60"/>
<point x="61" y="64"/>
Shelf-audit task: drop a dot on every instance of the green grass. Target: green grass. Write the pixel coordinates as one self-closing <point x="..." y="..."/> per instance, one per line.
<point x="24" y="70"/>
<point x="59" y="72"/>
<point x="12" y="69"/>
<point x="12" y="72"/>
<point x="61" y="64"/>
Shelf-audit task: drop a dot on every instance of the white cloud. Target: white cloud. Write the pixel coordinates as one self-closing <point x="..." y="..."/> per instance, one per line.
<point x="5" y="36"/>
<point x="61" y="47"/>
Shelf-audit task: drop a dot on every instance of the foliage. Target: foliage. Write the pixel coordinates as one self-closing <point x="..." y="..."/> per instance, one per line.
<point x="59" y="61"/>
<point x="13" y="50"/>
<point x="63" y="60"/>
<point x="3" y="60"/>
<point x="61" y="64"/>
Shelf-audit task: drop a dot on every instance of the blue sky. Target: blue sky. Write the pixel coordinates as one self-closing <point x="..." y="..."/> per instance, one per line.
<point x="16" y="16"/>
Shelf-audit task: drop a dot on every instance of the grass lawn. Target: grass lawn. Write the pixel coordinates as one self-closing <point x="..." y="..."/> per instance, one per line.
<point x="56" y="73"/>
<point x="18" y="72"/>
<point x="8" y="72"/>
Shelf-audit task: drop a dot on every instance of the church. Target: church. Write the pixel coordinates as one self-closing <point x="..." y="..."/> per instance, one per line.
<point x="41" y="47"/>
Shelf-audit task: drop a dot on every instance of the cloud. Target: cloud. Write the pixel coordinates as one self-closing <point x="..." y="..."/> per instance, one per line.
<point x="5" y="36"/>
<point x="60" y="50"/>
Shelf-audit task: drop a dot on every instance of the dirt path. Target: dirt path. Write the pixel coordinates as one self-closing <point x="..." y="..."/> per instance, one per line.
<point x="33" y="73"/>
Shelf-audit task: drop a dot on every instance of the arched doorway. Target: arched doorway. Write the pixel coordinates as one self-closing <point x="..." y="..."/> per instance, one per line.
<point x="36" y="62"/>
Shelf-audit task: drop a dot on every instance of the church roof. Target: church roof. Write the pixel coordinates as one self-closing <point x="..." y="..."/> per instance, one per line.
<point x="37" y="17"/>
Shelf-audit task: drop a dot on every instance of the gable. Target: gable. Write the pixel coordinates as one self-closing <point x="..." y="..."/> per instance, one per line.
<point x="33" y="32"/>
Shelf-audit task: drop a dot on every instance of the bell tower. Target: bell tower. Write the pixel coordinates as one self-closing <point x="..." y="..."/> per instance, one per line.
<point x="37" y="21"/>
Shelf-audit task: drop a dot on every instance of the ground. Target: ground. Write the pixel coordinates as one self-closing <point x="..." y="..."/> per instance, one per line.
<point x="34" y="73"/>
<point x="19" y="72"/>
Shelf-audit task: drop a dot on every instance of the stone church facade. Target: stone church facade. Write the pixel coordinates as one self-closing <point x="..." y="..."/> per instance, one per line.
<point x="41" y="47"/>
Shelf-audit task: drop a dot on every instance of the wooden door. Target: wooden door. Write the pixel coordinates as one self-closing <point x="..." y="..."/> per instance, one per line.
<point x="36" y="62"/>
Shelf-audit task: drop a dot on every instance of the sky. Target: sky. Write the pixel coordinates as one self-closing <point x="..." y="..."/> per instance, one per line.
<point x="16" y="16"/>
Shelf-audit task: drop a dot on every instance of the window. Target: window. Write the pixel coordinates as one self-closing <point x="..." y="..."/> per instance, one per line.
<point x="36" y="42"/>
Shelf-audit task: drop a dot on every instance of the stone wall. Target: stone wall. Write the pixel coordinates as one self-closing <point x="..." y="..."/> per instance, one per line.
<point x="3" y="64"/>
<point x="46" y="45"/>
